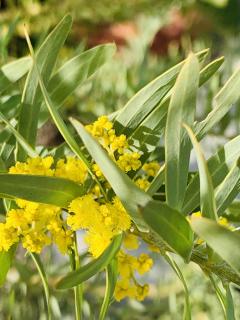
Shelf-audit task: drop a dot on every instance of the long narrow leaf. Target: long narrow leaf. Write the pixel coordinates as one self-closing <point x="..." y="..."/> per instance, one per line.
<point x="176" y="269"/>
<point x="6" y="258"/>
<point x="219" y="166"/>
<point x="49" y="190"/>
<point x="170" y="225"/>
<point x="223" y="241"/>
<point x="75" y="72"/>
<point x="43" y="277"/>
<point x="111" y="280"/>
<point x="222" y="103"/>
<point x="55" y="114"/>
<point x="177" y="145"/>
<point x="84" y="273"/>
<point x="229" y="304"/>
<point x="45" y="60"/>
<point x="148" y="98"/>
<point x="148" y="133"/>
<point x="208" y="204"/>
<point x="25" y="145"/>
<point x="228" y="190"/>
<point x="13" y="71"/>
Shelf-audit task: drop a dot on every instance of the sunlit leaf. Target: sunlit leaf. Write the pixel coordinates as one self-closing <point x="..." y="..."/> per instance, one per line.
<point x="177" y="145"/>
<point x="208" y="204"/>
<point x="49" y="190"/>
<point x="223" y="241"/>
<point x="170" y="225"/>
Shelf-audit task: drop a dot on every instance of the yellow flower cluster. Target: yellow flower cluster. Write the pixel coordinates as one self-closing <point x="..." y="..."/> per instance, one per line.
<point x="151" y="168"/>
<point x="120" y="151"/>
<point x="117" y="146"/>
<point x="142" y="183"/>
<point x="129" y="161"/>
<point x="38" y="166"/>
<point x="71" y="168"/>
<point x="34" y="224"/>
<point x="128" y="266"/>
<point x="127" y="285"/>
<point x="102" y="130"/>
<point x="102" y="221"/>
<point x="37" y="225"/>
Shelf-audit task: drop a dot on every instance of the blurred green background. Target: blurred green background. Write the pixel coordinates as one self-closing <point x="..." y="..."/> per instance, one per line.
<point x="151" y="36"/>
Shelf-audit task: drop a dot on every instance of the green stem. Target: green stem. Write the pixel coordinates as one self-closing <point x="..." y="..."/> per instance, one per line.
<point x="219" y="294"/>
<point x="78" y="290"/>
<point x="221" y="269"/>
<point x="106" y="300"/>
<point x="43" y="277"/>
<point x="176" y="269"/>
<point x="111" y="279"/>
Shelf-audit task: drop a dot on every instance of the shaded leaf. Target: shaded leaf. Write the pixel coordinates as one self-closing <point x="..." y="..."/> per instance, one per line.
<point x="170" y="225"/>
<point x="218" y="166"/>
<point x="228" y="190"/>
<point x="111" y="280"/>
<point x="6" y="258"/>
<point x="82" y="274"/>
<point x="208" y="204"/>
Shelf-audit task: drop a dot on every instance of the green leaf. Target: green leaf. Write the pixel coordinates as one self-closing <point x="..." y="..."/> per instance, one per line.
<point x="208" y="71"/>
<point x="10" y="107"/>
<point x="75" y="72"/>
<point x="218" y="166"/>
<point x="6" y="258"/>
<point x="170" y="225"/>
<point x="148" y="133"/>
<point x="177" y="145"/>
<point x="230" y="313"/>
<point x="82" y="274"/>
<point x="233" y="212"/>
<point x="43" y="277"/>
<point x="2" y="166"/>
<point x="220" y="295"/>
<point x="147" y="99"/>
<point x="130" y="195"/>
<point x="111" y="280"/>
<point x="224" y="242"/>
<point x="56" y="116"/>
<point x="49" y="190"/>
<point x="25" y="145"/>
<point x="208" y="204"/>
<point x="157" y="181"/>
<point x="13" y="71"/>
<point x="45" y="58"/>
<point x="177" y="270"/>
<point x="228" y="190"/>
<point x="222" y="103"/>
<point x="7" y="149"/>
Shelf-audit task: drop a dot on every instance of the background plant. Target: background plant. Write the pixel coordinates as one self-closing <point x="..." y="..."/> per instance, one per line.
<point x="136" y="134"/>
